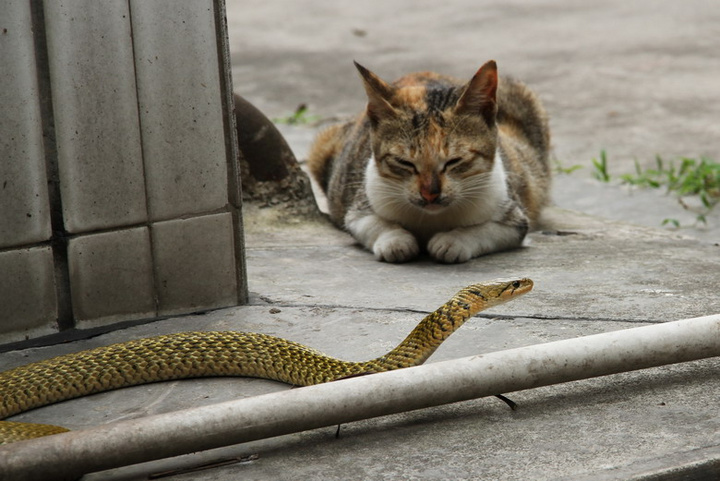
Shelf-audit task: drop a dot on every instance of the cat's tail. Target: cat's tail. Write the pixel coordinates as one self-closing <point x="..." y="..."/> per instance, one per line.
<point x="327" y="146"/>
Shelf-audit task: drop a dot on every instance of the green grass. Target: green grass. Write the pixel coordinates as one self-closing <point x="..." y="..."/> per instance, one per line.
<point x="684" y="177"/>
<point x="601" y="169"/>
<point x="700" y="177"/>
<point x="561" y="169"/>
<point x="299" y="117"/>
<point x="691" y="177"/>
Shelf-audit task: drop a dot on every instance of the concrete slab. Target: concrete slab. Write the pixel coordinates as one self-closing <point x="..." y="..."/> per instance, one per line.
<point x="310" y="283"/>
<point x="305" y="285"/>
<point x="646" y="207"/>
<point x="609" y="270"/>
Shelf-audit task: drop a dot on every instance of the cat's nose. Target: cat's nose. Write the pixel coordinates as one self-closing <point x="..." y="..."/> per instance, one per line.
<point x="429" y="196"/>
<point x="429" y="188"/>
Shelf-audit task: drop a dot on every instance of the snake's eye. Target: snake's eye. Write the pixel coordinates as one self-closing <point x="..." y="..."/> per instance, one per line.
<point x="516" y="284"/>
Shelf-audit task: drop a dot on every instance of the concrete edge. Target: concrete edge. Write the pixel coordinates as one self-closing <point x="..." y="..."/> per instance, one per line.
<point x="694" y="465"/>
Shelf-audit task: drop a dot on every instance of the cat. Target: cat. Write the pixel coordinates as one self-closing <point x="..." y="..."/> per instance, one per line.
<point x="459" y="170"/>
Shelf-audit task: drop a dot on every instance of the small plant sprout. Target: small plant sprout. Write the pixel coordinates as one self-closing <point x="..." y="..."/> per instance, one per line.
<point x="299" y="117"/>
<point x="601" y="169"/>
<point x="561" y="169"/>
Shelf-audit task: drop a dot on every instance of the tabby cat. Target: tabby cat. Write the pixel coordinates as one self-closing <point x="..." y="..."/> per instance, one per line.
<point x="459" y="170"/>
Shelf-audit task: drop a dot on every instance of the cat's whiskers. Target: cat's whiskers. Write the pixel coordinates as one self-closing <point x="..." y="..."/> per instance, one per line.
<point x="388" y="195"/>
<point x="472" y="192"/>
<point x="475" y="185"/>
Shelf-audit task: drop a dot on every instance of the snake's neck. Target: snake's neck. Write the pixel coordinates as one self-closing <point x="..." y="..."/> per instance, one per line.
<point x="422" y="342"/>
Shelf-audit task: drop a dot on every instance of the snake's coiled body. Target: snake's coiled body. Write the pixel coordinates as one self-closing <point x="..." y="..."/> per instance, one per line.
<point x="227" y="353"/>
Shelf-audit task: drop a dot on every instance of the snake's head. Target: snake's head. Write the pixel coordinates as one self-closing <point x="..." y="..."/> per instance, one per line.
<point x="498" y="291"/>
<point x="509" y="289"/>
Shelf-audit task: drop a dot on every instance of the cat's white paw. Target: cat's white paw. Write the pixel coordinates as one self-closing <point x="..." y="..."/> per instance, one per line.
<point x="451" y="248"/>
<point x="396" y="245"/>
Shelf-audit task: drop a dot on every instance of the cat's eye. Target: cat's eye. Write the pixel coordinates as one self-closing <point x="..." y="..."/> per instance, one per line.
<point x="451" y="163"/>
<point x="405" y="164"/>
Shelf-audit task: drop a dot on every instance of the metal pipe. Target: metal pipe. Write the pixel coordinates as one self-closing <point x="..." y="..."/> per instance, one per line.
<point x="69" y="455"/>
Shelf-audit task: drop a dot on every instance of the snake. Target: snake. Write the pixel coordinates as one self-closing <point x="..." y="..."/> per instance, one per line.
<point x="223" y="353"/>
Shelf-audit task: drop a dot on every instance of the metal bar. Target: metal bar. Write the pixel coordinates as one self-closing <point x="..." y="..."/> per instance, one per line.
<point x="69" y="455"/>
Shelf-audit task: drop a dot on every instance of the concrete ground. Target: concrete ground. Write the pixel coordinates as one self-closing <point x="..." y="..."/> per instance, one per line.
<point x="636" y="78"/>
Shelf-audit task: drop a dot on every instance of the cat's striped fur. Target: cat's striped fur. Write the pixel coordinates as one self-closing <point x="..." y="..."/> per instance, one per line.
<point x="459" y="170"/>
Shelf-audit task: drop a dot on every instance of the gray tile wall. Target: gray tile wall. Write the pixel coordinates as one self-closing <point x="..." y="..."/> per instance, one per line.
<point x="118" y="193"/>
<point x="185" y="101"/>
<point x="92" y="82"/>
<point x="24" y="207"/>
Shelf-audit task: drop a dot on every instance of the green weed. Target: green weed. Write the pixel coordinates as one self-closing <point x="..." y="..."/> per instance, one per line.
<point x="561" y="169"/>
<point x="601" y="169"/>
<point x="299" y="117"/>
<point x="699" y="177"/>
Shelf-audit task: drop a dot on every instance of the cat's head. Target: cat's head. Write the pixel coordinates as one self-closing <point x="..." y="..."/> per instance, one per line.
<point x="433" y="141"/>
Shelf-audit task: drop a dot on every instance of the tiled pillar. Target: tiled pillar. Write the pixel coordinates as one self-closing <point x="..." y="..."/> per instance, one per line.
<point x="27" y="281"/>
<point x="27" y="293"/>
<point x="92" y="83"/>
<point x="178" y="80"/>
<point x="126" y="107"/>
<point x="111" y="276"/>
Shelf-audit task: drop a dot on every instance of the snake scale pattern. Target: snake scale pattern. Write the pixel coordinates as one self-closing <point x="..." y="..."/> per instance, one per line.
<point x="226" y="353"/>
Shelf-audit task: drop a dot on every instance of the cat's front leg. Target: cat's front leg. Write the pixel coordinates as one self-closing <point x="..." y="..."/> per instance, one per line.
<point x="387" y="240"/>
<point x="464" y="243"/>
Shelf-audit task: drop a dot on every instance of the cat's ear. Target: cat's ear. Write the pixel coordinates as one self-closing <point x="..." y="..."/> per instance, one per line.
<point x="379" y="94"/>
<point x="479" y="96"/>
